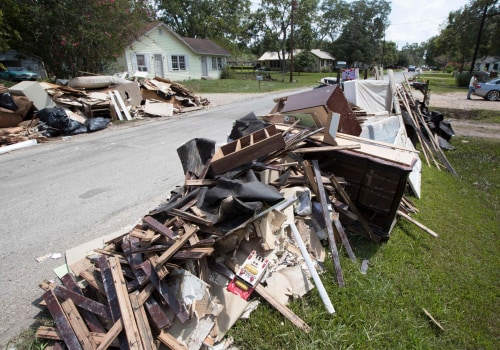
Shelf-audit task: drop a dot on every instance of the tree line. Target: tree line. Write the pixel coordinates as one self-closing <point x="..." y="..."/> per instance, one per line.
<point x="74" y="35"/>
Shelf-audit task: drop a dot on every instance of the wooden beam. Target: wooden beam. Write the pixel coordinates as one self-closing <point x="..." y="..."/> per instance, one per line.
<point x="328" y="223"/>
<point x="189" y="230"/>
<point x="131" y="329"/>
<point x="418" y="224"/>
<point x="61" y="320"/>
<point x="111" y="335"/>
<point x="79" y="327"/>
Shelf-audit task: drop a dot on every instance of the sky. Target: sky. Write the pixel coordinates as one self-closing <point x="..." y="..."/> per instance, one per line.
<point x="415" y="21"/>
<point x="418" y="20"/>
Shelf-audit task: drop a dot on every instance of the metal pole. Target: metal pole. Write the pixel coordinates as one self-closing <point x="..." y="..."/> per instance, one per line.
<point x="294" y="4"/>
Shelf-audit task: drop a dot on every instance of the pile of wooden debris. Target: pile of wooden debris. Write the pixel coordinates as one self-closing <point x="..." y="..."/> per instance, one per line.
<point x="252" y="218"/>
<point x="86" y="104"/>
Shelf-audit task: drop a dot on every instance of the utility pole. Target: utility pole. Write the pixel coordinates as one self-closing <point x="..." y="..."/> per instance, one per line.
<point x="294" y="5"/>
<point x="478" y="39"/>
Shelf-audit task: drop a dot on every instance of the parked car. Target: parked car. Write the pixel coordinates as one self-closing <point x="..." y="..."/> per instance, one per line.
<point x="18" y="73"/>
<point x="411" y="68"/>
<point x="489" y="90"/>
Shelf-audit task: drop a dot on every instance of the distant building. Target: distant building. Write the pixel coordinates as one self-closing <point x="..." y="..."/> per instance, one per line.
<point x="270" y="60"/>
<point x="163" y="53"/>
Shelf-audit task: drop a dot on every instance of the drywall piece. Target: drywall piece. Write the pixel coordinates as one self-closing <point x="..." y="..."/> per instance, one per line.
<point x="34" y="91"/>
<point x="158" y="109"/>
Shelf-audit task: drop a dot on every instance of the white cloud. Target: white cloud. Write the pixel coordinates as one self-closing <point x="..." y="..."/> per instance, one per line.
<point x="418" y="20"/>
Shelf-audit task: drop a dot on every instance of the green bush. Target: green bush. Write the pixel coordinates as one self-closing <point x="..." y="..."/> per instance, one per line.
<point x="462" y="79"/>
<point x="225" y="74"/>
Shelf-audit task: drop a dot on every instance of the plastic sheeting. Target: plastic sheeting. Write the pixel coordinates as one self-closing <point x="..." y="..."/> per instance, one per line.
<point x="374" y="96"/>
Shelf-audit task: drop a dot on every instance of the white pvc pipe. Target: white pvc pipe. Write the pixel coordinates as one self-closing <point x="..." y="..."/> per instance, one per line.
<point x="312" y="269"/>
<point x="18" y="145"/>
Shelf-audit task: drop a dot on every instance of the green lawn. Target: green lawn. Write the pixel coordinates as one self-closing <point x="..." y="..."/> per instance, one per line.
<point x="455" y="277"/>
<point x="439" y="82"/>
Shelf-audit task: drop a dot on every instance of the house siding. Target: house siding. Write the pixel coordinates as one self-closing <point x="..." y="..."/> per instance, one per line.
<point x="161" y="41"/>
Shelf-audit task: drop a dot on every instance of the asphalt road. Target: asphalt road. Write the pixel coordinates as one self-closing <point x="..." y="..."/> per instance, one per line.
<point x="61" y="194"/>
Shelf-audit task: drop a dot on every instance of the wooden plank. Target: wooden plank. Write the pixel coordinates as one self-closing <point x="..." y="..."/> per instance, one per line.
<point x="310" y="177"/>
<point x="340" y="231"/>
<point x="170" y="341"/>
<point x="129" y="244"/>
<point x="159" y="227"/>
<point x="418" y="224"/>
<point x="109" y="288"/>
<point x="61" y="321"/>
<point x="83" y="302"/>
<point x="189" y="217"/>
<point x="142" y="322"/>
<point x="122" y="105"/>
<point x="325" y="148"/>
<point x="90" y="318"/>
<point x="117" y="109"/>
<point x="200" y="182"/>
<point x="44" y="332"/>
<point x="108" y="339"/>
<point x="328" y="223"/>
<point x="189" y="230"/>
<point x="76" y="321"/>
<point x="131" y="329"/>
<point x="246" y="149"/>
<point x="157" y="314"/>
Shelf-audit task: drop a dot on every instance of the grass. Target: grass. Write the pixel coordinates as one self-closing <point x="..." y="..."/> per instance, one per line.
<point x="454" y="277"/>
<point x="247" y="83"/>
<point x="439" y="82"/>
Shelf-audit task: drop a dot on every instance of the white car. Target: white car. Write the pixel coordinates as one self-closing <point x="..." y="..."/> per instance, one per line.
<point x="489" y="90"/>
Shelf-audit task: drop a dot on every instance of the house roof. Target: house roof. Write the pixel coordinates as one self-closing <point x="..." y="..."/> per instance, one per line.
<point x="199" y="46"/>
<point x="204" y="47"/>
<point x="273" y="55"/>
<point x="322" y="54"/>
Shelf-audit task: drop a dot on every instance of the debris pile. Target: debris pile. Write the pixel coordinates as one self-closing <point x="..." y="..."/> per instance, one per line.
<point x="252" y="218"/>
<point x="86" y="104"/>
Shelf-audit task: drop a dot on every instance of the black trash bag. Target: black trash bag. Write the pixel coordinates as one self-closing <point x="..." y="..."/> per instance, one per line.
<point x="7" y="102"/>
<point x="59" y="120"/>
<point x="245" y="126"/>
<point x="97" y="123"/>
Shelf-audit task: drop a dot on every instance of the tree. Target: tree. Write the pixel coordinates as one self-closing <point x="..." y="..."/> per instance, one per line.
<point x="304" y="61"/>
<point x="10" y="17"/>
<point x="227" y="22"/>
<point x="73" y="35"/>
<point x="360" y="42"/>
<point x="275" y="20"/>
<point x="334" y="14"/>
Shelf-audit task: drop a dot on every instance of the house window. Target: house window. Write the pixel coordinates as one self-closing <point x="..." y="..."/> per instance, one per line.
<point x="141" y="63"/>
<point x="217" y="63"/>
<point x="178" y="62"/>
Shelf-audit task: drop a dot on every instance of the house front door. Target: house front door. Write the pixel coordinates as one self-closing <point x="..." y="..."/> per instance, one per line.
<point x="204" y="67"/>
<point x="159" y="66"/>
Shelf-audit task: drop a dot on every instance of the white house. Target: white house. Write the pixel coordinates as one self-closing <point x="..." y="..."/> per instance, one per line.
<point x="489" y="64"/>
<point x="163" y="53"/>
<point x="271" y="60"/>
